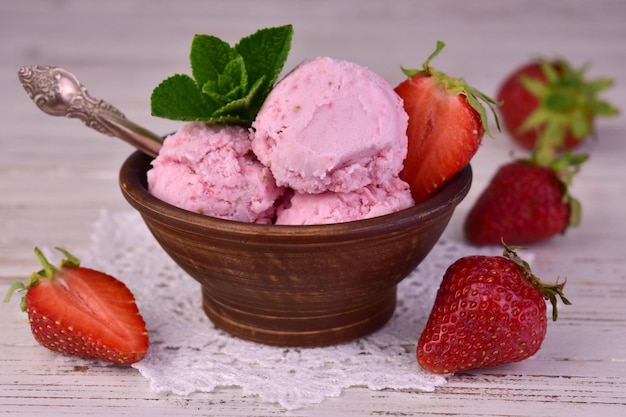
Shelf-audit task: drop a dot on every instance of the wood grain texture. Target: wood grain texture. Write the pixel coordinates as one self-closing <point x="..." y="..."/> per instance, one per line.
<point x="56" y="176"/>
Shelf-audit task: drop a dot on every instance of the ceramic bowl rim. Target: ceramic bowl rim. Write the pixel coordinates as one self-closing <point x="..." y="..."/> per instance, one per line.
<point x="132" y="179"/>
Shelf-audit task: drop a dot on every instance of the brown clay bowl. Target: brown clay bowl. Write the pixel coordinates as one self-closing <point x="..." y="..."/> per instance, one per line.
<point x="295" y="285"/>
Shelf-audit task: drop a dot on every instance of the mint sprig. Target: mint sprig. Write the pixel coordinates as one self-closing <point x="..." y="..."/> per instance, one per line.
<point x="228" y="84"/>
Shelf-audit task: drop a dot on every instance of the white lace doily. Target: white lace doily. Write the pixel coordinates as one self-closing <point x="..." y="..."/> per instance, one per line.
<point x="188" y="354"/>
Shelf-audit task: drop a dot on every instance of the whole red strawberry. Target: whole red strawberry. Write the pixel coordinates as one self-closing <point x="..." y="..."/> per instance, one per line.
<point x="551" y="103"/>
<point x="489" y="310"/>
<point x="83" y="312"/>
<point x="446" y="125"/>
<point x="525" y="202"/>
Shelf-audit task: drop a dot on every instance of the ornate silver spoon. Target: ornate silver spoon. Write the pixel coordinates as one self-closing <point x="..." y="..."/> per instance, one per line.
<point x="58" y="92"/>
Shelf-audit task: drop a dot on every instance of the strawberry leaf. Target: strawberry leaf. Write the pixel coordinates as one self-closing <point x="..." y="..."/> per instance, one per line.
<point x="564" y="167"/>
<point x="550" y="292"/>
<point x="455" y="85"/>
<point x="603" y="108"/>
<point x="425" y="70"/>
<point x="568" y="103"/>
<point x="16" y="286"/>
<point x="47" y="272"/>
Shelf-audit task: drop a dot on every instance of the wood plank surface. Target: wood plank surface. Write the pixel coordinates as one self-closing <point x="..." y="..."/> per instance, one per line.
<point x="56" y="176"/>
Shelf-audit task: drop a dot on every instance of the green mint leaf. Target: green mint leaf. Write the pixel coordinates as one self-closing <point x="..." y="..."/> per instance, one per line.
<point x="209" y="56"/>
<point x="236" y="111"/>
<point x="265" y="53"/>
<point x="241" y="107"/>
<point x="178" y="98"/>
<point x="229" y="84"/>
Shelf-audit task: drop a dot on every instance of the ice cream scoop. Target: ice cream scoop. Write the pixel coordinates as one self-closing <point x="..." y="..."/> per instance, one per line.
<point x="210" y="169"/>
<point x="330" y="207"/>
<point x="331" y="125"/>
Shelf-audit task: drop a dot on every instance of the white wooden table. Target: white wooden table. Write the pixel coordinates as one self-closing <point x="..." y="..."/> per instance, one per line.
<point x="56" y="176"/>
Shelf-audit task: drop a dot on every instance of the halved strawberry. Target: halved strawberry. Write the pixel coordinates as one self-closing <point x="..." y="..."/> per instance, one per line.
<point x="446" y="126"/>
<point x="83" y="312"/>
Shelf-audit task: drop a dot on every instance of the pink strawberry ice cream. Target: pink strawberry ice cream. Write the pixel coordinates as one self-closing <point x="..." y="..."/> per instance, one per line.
<point x="331" y="133"/>
<point x="330" y="207"/>
<point x="211" y="170"/>
<point x="331" y="125"/>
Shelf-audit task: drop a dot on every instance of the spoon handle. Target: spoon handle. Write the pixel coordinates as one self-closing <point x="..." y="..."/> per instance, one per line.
<point x="58" y="92"/>
<point x="118" y="125"/>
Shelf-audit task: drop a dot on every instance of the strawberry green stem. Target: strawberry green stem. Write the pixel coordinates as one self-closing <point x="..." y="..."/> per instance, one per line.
<point x="48" y="272"/>
<point x="551" y="292"/>
<point x="70" y="260"/>
<point x="564" y="166"/>
<point x="17" y="286"/>
<point x="568" y="103"/>
<point x="455" y="85"/>
<point x="438" y="48"/>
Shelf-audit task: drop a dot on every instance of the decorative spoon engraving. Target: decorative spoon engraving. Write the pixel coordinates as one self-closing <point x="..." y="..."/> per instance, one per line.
<point x="58" y="92"/>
